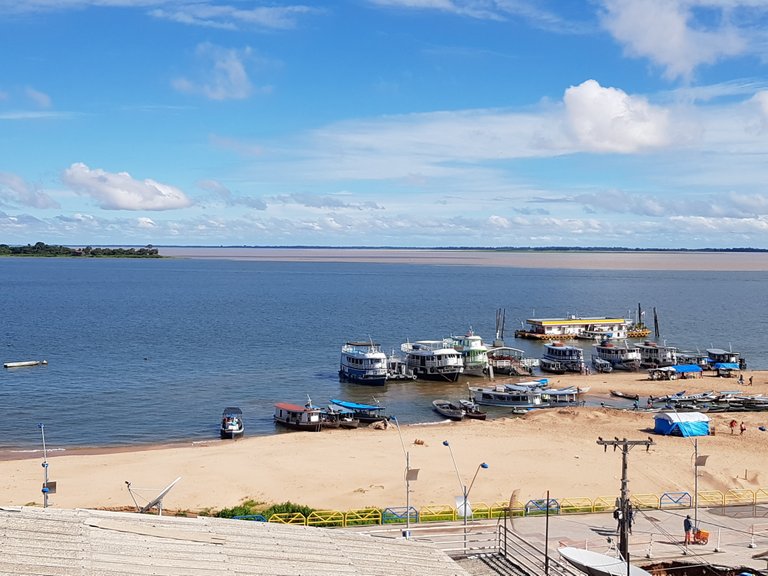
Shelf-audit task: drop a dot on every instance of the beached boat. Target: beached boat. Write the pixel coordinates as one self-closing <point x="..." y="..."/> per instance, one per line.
<point x="363" y="363"/>
<point x="628" y="396"/>
<point x="653" y="355"/>
<point x="232" y="425"/>
<point x="719" y="359"/>
<point x="343" y="416"/>
<point x="433" y="360"/>
<point x="508" y="395"/>
<point x="624" y="357"/>
<point x="450" y="410"/>
<point x="365" y="413"/>
<point x="561" y="396"/>
<point x="601" y="365"/>
<point x="472" y="410"/>
<point x="560" y="358"/>
<point x="307" y="418"/>
<point x="474" y="353"/>
<point x="25" y="363"/>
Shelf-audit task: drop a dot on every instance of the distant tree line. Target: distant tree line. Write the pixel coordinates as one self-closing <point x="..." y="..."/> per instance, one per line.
<point x="53" y="251"/>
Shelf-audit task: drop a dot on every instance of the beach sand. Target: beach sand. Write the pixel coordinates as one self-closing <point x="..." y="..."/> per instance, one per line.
<point x="552" y="449"/>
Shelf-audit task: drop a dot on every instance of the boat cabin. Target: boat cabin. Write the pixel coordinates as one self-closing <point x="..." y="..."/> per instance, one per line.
<point x="573" y="326"/>
<point x="297" y="417"/>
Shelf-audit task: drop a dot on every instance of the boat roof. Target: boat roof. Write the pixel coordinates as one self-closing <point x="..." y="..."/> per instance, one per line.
<point x="356" y="406"/>
<point x="295" y="407"/>
<point x="233" y="410"/>
<point x="576" y="320"/>
<point x="361" y="343"/>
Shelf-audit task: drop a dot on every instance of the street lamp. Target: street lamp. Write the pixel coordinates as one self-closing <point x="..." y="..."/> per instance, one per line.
<point x="410" y="474"/>
<point x="465" y="490"/>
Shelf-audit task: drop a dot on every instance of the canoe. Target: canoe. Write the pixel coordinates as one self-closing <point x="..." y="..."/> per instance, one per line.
<point x="472" y="410"/>
<point x="620" y="394"/>
<point x="25" y="363"/>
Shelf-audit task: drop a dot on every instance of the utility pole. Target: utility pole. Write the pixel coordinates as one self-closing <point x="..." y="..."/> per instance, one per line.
<point x="624" y="502"/>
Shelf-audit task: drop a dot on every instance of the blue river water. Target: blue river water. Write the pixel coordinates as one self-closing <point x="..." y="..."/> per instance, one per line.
<point x="151" y="351"/>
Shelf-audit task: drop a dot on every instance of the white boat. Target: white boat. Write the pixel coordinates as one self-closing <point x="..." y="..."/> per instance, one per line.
<point x="560" y="358"/>
<point x="433" y="360"/>
<point x="232" y="425"/>
<point x="397" y="368"/>
<point x="573" y="326"/>
<point x="624" y="357"/>
<point x="653" y="355"/>
<point x="601" y="365"/>
<point x="451" y="410"/>
<point x="473" y="353"/>
<point x="25" y="363"/>
<point x="363" y="363"/>
<point x="508" y="395"/>
<point x="596" y="564"/>
<point x="506" y="360"/>
<point x="561" y="396"/>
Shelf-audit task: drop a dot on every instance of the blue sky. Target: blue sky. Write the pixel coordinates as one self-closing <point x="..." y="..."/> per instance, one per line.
<point x="638" y="123"/>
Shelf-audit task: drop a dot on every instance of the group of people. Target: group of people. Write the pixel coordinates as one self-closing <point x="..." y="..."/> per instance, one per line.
<point x="742" y="427"/>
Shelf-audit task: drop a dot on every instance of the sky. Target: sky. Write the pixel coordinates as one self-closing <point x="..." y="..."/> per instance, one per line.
<point x="634" y="123"/>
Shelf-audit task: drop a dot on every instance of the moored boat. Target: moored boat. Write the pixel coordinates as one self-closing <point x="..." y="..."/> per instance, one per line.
<point x="474" y="353"/>
<point x="508" y="395"/>
<point x="433" y="360"/>
<point x="232" y="425"/>
<point x="560" y="358"/>
<point x="397" y="369"/>
<point x="365" y="413"/>
<point x="450" y="410"/>
<point x="624" y="357"/>
<point x="25" y="363"/>
<point x="653" y="355"/>
<point x="345" y="417"/>
<point x="472" y="410"/>
<point x="628" y="396"/>
<point x="295" y="417"/>
<point x="363" y="363"/>
<point x="506" y="360"/>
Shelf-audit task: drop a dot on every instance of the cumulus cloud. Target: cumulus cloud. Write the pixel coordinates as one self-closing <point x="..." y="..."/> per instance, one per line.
<point x="667" y="32"/>
<point x="609" y="120"/>
<point x="15" y="191"/>
<point x="120" y="191"/>
<point x="225" y="76"/>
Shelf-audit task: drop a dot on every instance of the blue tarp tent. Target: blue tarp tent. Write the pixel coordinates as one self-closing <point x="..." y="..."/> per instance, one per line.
<point x="681" y="424"/>
<point x="726" y="366"/>
<point x="685" y="368"/>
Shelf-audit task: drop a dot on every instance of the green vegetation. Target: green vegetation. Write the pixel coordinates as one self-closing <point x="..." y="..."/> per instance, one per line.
<point x="43" y="250"/>
<point x="250" y="507"/>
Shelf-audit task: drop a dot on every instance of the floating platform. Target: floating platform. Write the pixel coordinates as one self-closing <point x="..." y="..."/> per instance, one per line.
<point x="25" y="363"/>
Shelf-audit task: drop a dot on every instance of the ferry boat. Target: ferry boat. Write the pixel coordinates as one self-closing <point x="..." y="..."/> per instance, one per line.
<point x="307" y="418"/>
<point x="572" y="326"/>
<point x="653" y="355"/>
<point x="433" y="360"/>
<point x="473" y="353"/>
<point x="560" y="358"/>
<point x="363" y="363"/>
<point x="524" y="395"/>
<point x="624" y="357"/>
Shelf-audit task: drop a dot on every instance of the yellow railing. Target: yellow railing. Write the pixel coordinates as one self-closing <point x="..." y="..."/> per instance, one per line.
<point x="577" y="505"/>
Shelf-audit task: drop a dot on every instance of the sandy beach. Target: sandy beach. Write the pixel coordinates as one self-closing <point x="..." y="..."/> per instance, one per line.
<point x="552" y="449"/>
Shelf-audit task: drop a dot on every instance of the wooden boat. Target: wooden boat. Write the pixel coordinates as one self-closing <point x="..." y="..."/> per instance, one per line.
<point x="450" y="410"/>
<point x="232" y="425"/>
<point x="297" y="417"/>
<point x="345" y="417"/>
<point x="472" y="410"/>
<point x="25" y="363"/>
<point x="620" y="394"/>
<point x="365" y="413"/>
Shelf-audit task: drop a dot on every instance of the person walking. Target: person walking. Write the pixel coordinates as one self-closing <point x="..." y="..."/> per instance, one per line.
<point x="688" y="527"/>
<point x="733" y="425"/>
<point x="742" y="428"/>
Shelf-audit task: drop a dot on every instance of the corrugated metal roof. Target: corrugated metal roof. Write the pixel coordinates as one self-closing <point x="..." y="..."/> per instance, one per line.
<point x="36" y="541"/>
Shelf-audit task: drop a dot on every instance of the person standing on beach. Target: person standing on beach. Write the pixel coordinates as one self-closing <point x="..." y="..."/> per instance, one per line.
<point x="743" y="427"/>
<point x="732" y="424"/>
<point x="688" y="527"/>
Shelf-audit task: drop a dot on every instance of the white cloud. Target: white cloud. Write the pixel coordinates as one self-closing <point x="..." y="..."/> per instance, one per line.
<point x="609" y="120"/>
<point x="667" y="32"/>
<point x="15" y="191"/>
<point x="225" y="77"/>
<point x="227" y="17"/>
<point x="40" y="99"/>
<point x="119" y="191"/>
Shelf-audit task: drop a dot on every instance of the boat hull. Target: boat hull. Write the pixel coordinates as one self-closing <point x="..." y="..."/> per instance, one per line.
<point x="449" y="410"/>
<point x="362" y="378"/>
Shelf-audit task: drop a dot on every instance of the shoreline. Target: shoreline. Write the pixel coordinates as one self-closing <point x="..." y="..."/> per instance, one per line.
<point x="549" y="449"/>
<point x="582" y="260"/>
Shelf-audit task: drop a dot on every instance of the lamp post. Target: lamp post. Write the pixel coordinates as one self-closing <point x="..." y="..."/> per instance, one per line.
<point x="465" y="490"/>
<point x="45" y="467"/>
<point x="410" y="474"/>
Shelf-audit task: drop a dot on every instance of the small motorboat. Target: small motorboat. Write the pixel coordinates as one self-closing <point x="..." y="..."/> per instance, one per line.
<point x="451" y="410"/>
<point x="232" y="423"/>
<point x="345" y="417"/>
<point x="472" y="410"/>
